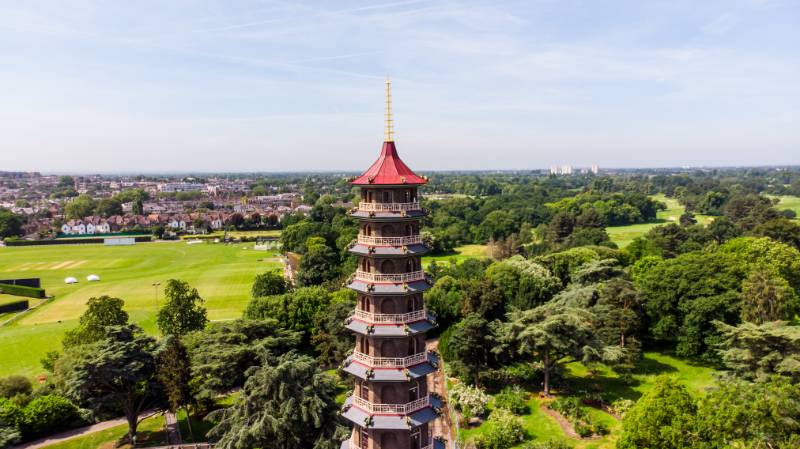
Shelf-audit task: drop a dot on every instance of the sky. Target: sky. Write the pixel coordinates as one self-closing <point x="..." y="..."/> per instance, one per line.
<point x="175" y="85"/>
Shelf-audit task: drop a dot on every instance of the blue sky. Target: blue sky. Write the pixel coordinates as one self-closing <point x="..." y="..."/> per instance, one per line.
<point x="102" y="86"/>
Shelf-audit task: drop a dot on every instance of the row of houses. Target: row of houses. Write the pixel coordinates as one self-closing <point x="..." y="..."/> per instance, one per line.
<point x="176" y="222"/>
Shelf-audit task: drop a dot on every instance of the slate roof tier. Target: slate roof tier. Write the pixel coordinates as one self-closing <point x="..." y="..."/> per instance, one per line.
<point x="360" y="370"/>
<point x="388" y="215"/>
<point x="388" y="289"/>
<point x="389" y="251"/>
<point x="391" y="330"/>
<point x="389" y="169"/>
<point x="399" y="422"/>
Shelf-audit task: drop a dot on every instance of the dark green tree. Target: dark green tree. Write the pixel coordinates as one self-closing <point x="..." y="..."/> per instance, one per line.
<point x="174" y="373"/>
<point x="10" y="224"/>
<point x="288" y="404"/>
<point x="768" y="297"/>
<point x="470" y="345"/>
<point x="183" y="311"/>
<point x="318" y="265"/>
<point x="756" y="352"/>
<point x="295" y="310"/>
<point x="331" y="339"/>
<point x="222" y="353"/>
<point x="552" y="335"/>
<point x="115" y="373"/>
<point x="742" y="414"/>
<point x="100" y="312"/>
<point x="269" y="283"/>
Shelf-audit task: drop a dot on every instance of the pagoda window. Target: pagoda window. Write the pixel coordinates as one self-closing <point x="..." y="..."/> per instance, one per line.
<point x="387" y="267"/>
<point x="388" y="395"/>
<point x="363" y="442"/>
<point x="412" y="346"/>
<point x="407" y="194"/>
<point x="413" y="392"/>
<point x="388" y="349"/>
<point x="387" y="196"/>
<point x="416" y="439"/>
<point x="409" y="230"/>
<point x="363" y="347"/>
<point x="367" y="230"/>
<point x="387" y="230"/>
<point x="387" y="306"/>
<point x="364" y="390"/>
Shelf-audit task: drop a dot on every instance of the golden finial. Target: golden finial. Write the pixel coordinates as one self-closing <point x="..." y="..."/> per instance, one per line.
<point x="389" y="129"/>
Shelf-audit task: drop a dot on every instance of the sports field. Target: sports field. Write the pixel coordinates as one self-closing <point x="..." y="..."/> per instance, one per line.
<point x="223" y="274"/>
<point x="623" y="235"/>
<point x="788" y="202"/>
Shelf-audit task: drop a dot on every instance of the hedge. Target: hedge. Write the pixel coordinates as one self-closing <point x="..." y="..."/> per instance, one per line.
<point x="21" y="290"/>
<point x="15" y="306"/>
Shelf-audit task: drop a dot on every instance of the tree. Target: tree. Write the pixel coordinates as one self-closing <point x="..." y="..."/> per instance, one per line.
<point x="318" y="265"/>
<point x="553" y="335"/>
<point x="183" y="311"/>
<point x="470" y="345"/>
<point x="768" y="297"/>
<point x="662" y="418"/>
<point x="82" y="206"/>
<point x="524" y="283"/>
<point x="619" y="314"/>
<point x="10" y="224"/>
<point x="174" y="373"/>
<point x="780" y="229"/>
<point x="331" y="339"/>
<point x="222" y="353"/>
<point x="116" y="373"/>
<point x="742" y="414"/>
<point x="15" y="385"/>
<point x="108" y="207"/>
<point x="268" y="284"/>
<point x="561" y="226"/>
<point x="286" y="405"/>
<point x="100" y="312"/>
<point x="295" y="310"/>
<point x="758" y="351"/>
<point x="498" y="224"/>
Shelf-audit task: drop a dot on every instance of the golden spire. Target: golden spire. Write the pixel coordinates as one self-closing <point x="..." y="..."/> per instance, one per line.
<point x="389" y="128"/>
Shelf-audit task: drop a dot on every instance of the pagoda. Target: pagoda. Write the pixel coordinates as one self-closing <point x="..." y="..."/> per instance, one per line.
<point x="391" y="407"/>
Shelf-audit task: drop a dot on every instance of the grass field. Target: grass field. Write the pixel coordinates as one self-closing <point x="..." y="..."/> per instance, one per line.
<point x="223" y="275"/>
<point x="539" y="426"/>
<point x="788" y="202"/>
<point x="150" y="432"/>
<point x="459" y="254"/>
<point x="624" y="235"/>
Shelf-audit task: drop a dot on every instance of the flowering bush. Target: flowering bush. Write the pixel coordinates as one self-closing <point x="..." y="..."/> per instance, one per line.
<point x="470" y="401"/>
<point x="512" y="399"/>
<point x="504" y="431"/>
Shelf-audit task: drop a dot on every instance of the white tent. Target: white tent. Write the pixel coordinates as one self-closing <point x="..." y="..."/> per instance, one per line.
<point x="93" y="278"/>
<point x="70" y="280"/>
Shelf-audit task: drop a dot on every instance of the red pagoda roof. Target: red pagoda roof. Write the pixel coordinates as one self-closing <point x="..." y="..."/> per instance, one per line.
<point x="389" y="169"/>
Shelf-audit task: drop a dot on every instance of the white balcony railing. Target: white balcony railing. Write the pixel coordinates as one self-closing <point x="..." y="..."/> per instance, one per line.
<point x="391" y="409"/>
<point x="390" y="362"/>
<point x="353" y="445"/>
<point x="389" y="241"/>
<point x="388" y="207"/>
<point x="389" y="318"/>
<point x="395" y="278"/>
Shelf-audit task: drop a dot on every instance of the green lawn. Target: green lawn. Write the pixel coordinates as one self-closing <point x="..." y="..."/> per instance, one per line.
<point x="459" y="254"/>
<point x="150" y="433"/>
<point x="788" y="202"/>
<point x="223" y="274"/>
<point x="624" y="235"/>
<point x="541" y="426"/>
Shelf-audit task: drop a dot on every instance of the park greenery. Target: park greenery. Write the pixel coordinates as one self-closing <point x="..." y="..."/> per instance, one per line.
<point x="555" y="337"/>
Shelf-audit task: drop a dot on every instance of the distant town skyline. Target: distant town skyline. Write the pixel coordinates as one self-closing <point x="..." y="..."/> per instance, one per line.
<point x="253" y="86"/>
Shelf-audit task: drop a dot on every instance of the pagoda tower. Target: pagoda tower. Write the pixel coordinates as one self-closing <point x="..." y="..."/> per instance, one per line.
<point x="391" y="407"/>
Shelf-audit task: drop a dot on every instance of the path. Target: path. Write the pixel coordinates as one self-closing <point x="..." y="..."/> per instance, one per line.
<point x="436" y="383"/>
<point x="173" y="430"/>
<point x="79" y="432"/>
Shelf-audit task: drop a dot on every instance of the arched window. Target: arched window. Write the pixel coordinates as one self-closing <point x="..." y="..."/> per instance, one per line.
<point x="387" y="306"/>
<point x="388" y="395"/>
<point x="367" y="229"/>
<point x="387" y="196"/>
<point x="364" y="390"/>
<point x="387" y="267"/>
<point x="388" y="349"/>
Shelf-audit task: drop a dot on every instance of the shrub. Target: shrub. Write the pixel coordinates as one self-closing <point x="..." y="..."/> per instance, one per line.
<point x="504" y="431"/>
<point x="15" y="385"/>
<point x="10" y="413"/>
<point x="621" y="406"/>
<point x="49" y="414"/>
<point x="512" y="399"/>
<point x="550" y="444"/>
<point x="21" y="290"/>
<point x="470" y="401"/>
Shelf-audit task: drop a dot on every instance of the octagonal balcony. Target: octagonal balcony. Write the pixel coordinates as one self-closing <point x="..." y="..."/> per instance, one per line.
<point x="388" y="207"/>
<point x="390" y="278"/>
<point x="390" y="318"/>
<point x="390" y="362"/>
<point x="389" y="241"/>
